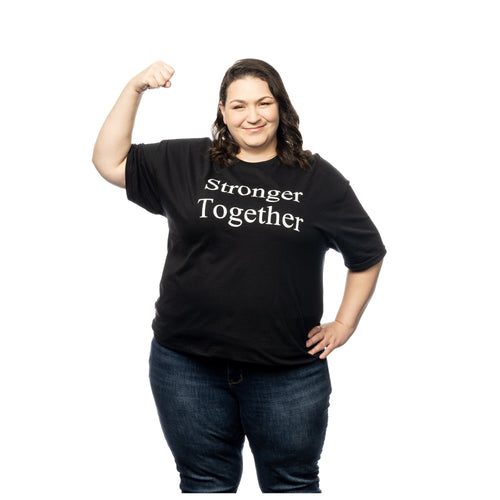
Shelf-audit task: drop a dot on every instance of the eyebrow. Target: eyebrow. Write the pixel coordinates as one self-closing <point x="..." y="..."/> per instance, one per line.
<point x="258" y="100"/>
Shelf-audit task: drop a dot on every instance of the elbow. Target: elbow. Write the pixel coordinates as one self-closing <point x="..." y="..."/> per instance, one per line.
<point x="95" y="161"/>
<point x="109" y="170"/>
<point x="98" y="162"/>
<point x="100" y="167"/>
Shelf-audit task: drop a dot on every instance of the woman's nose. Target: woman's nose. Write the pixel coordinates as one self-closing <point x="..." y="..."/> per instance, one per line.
<point x="252" y="115"/>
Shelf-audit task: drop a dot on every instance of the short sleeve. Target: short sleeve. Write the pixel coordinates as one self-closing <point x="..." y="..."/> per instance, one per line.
<point x="141" y="176"/>
<point x="341" y="218"/>
<point x="354" y="234"/>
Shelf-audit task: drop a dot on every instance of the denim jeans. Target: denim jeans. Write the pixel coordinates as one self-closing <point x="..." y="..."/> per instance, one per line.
<point x="207" y="407"/>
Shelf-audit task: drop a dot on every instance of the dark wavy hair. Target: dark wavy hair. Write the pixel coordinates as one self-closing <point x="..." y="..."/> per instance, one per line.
<point x="224" y="148"/>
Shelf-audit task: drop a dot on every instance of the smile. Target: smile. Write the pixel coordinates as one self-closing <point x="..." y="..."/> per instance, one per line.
<point x="254" y="129"/>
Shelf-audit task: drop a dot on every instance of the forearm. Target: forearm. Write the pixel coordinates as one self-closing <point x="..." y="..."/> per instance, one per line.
<point x="115" y="137"/>
<point x="358" y="291"/>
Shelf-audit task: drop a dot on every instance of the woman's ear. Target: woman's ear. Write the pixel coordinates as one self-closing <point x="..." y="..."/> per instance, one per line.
<point x="222" y="110"/>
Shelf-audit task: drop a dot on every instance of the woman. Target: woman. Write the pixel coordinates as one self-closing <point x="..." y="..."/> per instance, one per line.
<point x="238" y="349"/>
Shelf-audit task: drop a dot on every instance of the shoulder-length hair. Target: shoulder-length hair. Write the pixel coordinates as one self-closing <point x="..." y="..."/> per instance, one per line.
<point x="289" y="148"/>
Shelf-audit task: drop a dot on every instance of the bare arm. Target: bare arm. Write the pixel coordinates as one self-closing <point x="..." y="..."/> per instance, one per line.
<point x="358" y="291"/>
<point x="114" y="139"/>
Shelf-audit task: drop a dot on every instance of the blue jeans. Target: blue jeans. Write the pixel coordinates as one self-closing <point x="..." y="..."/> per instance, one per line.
<point x="207" y="407"/>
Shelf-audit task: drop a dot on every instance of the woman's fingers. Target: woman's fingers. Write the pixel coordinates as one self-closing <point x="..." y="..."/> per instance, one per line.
<point x="166" y="72"/>
<point x="315" y="335"/>
<point x="155" y="76"/>
<point x="328" y="337"/>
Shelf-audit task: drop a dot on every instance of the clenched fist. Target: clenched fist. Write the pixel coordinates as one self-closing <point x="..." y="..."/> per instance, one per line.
<point x="155" y="76"/>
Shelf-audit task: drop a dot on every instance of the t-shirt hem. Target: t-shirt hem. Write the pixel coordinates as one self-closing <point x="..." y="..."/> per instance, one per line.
<point x="230" y="357"/>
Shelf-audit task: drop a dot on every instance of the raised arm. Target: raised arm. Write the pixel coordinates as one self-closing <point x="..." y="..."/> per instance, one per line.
<point x="114" y="139"/>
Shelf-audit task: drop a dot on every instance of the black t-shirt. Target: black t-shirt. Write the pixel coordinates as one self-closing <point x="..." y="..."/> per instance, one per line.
<point x="243" y="277"/>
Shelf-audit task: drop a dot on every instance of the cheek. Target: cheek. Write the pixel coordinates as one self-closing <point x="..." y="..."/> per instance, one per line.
<point x="233" y="120"/>
<point x="273" y="115"/>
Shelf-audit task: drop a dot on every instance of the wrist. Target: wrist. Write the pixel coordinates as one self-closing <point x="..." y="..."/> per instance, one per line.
<point x="132" y="90"/>
<point x="349" y="327"/>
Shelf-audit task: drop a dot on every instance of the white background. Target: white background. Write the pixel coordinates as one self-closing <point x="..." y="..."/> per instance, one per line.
<point x="401" y="96"/>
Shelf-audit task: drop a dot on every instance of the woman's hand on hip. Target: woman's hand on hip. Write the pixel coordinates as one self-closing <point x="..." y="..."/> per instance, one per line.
<point x="153" y="77"/>
<point x="328" y="337"/>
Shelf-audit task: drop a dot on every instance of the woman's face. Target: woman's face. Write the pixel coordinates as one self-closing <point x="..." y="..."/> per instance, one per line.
<point x="252" y="116"/>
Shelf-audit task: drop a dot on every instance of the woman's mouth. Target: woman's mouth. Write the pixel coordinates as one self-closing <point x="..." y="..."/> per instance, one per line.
<point x="254" y="129"/>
